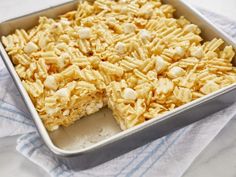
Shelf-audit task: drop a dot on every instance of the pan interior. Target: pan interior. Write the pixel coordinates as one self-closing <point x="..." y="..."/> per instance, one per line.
<point x="86" y="131"/>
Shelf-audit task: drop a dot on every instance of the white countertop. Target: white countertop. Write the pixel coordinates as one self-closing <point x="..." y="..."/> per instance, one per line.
<point x="217" y="160"/>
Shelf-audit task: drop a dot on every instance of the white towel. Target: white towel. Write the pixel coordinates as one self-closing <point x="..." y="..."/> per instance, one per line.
<point x="169" y="156"/>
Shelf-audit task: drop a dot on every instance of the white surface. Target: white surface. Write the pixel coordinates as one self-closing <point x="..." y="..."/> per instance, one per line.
<point x="225" y="8"/>
<point x="217" y="160"/>
<point x="14" y="164"/>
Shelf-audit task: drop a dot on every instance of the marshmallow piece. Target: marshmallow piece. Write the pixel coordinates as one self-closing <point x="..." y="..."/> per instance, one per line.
<point x="99" y="105"/>
<point x="196" y="52"/>
<point x="66" y="112"/>
<point x="51" y="83"/>
<point x="31" y="47"/>
<point x="53" y="128"/>
<point x="120" y="47"/>
<point x="65" y="22"/>
<point x="93" y="107"/>
<point x="210" y="87"/>
<point x="165" y="86"/>
<point x="43" y="42"/>
<point x="63" y="93"/>
<point x="160" y="64"/>
<point x="123" y="1"/>
<point x="60" y="62"/>
<point x="90" y="109"/>
<point x="152" y="75"/>
<point x="179" y="51"/>
<point x="129" y="28"/>
<point x="57" y="28"/>
<point x="130" y="94"/>
<point x="65" y="55"/>
<point x="146" y="11"/>
<point x="51" y="111"/>
<point x="190" y="28"/>
<point x="145" y="34"/>
<point x="183" y="94"/>
<point x="175" y="72"/>
<point x="84" y="33"/>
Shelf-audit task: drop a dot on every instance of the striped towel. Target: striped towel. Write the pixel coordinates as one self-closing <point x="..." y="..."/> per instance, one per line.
<point x="169" y="156"/>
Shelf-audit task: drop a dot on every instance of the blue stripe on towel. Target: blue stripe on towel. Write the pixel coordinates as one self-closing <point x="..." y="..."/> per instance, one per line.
<point x="12" y="108"/>
<point x="54" y="169"/>
<point x="27" y="141"/>
<point x="159" y="157"/>
<point x="62" y="171"/>
<point x="18" y="116"/>
<point x="133" y="159"/>
<point x="145" y="159"/>
<point x="4" y="74"/>
<point x="32" y="143"/>
<point x="35" y="147"/>
<point x="18" y="121"/>
<point x="153" y="151"/>
<point x="58" y="171"/>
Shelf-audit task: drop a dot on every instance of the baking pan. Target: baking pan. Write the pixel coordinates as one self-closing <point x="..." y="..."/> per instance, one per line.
<point x="98" y="138"/>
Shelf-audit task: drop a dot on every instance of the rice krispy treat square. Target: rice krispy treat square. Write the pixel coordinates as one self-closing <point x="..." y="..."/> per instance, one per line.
<point x="132" y="55"/>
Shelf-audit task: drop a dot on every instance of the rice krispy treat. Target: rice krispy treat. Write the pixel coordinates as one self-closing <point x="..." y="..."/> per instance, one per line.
<point x="132" y="55"/>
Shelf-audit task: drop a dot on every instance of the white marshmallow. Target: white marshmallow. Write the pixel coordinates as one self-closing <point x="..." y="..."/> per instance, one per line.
<point x="179" y="51"/>
<point x="99" y="105"/>
<point x="146" y="11"/>
<point x="53" y="128"/>
<point x="145" y="34"/>
<point x="43" y="42"/>
<point x="57" y="28"/>
<point x="130" y="94"/>
<point x="93" y="107"/>
<point x="120" y="47"/>
<point x="51" y="111"/>
<point x="65" y="55"/>
<point x="129" y="28"/>
<point x="152" y="75"/>
<point x="197" y="52"/>
<point x="31" y="47"/>
<point x="210" y="87"/>
<point x="176" y="72"/>
<point x="123" y="1"/>
<point x="66" y="112"/>
<point x="64" y="22"/>
<point x="84" y="33"/>
<point x="51" y="83"/>
<point x="63" y="93"/>
<point x="61" y="62"/>
<point x="190" y="28"/>
<point x="90" y="109"/>
<point x="160" y="64"/>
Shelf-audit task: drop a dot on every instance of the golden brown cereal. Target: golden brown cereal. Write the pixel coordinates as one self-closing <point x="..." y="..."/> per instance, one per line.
<point x="131" y="55"/>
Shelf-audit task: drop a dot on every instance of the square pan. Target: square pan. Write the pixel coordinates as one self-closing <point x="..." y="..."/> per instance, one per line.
<point x="119" y="142"/>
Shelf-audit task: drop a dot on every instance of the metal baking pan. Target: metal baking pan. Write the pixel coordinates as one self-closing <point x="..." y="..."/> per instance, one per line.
<point x="97" y="138"/>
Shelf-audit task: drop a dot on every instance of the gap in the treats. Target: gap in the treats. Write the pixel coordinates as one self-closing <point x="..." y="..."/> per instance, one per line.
<point x="86" y="131"/>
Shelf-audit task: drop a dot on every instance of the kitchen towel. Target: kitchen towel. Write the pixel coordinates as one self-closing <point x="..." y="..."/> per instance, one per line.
<point x="169" y="156"/>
